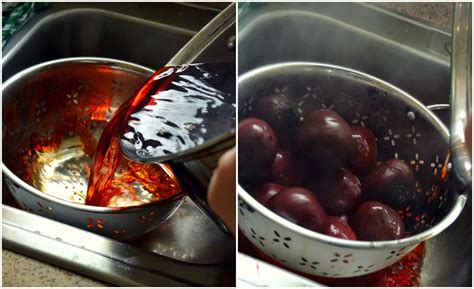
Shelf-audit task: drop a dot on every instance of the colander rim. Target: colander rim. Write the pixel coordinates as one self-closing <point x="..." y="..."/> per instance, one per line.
<point x="354" y="244"/>
<point x="121" y="64"/>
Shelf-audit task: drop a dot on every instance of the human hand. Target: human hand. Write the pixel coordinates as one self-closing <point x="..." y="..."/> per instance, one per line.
<point x="222" y="189"/>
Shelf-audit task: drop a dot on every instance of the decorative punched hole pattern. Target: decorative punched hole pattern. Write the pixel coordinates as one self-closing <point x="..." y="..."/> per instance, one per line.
<point x="396" y="253"/>
<point x="343" y="258"/>
<point x="420" y="220"/>
<point x="345" y="100"/>
<point x="26" y="208"/>
<point x="301" y="104"/>
<point x="95" y="125"/>
<point x="312" y="92"/>
<point x="406" y="212"/>
<point x="11" y="185"/>
<point x="382" y="113"/>
<point x="360" y="120"/>
<point x="418" y="189"/>
<point x="119" y="233"/>
<point x="247" y="105"/>
<point x="147" y="218"/>
<point x="417" y="162"/>
<point x="443" y="198"/>
<point x="84" y="85"/>
<point x="304" y="262"/>
<point x="40" y="109"/>
<point x="241" y="212"/>
<point x="281" y="90"/>
<point x="84" y="110"/>
<point x="361" y="268"/>
<point x="436" y="165"/>
<point x="326" y="105"/>
<point x="117" y="85"/>
<point x="11" y="131"/>
<point x="256" y="237"/>
<point x="54" y="90"/>
<point x="99" y="223"/>
<point x="413" y="135"/>
<point x="45" y="210"/>
<point x="277" y="258"/>
<point x="284" y="240"/>
<point x="391" y="137"/>
<point x="72" y="98"/>
<point x="244" y="207"/>
<point x="99" y="98"/>
<point x="434" y="194"/>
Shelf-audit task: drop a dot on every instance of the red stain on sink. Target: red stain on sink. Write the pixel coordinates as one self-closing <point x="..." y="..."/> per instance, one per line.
<point x="404" y="273"/>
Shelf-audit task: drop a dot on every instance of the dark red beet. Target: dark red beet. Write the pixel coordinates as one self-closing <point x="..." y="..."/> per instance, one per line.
<point x="344" y="220"/>
<point x="284" y="169"/>
<point x="264" y="192"/>
<point x="257" y="149"/>
<point x="392" y="183"/>
<point x="375" y="221"/>
<point x="282" y="115"/>
<point x="334" y="227"/>
<point x="325" y="138"/>
<point x="340" y="194"/>
<point x="364" y="157"/>
<point x="300" y="206"/>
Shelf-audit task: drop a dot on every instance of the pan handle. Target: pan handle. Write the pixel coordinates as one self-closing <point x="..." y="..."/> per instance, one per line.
<point x="197" y="191"/>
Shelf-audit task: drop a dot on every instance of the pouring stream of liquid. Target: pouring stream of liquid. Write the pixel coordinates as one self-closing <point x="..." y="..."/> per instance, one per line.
<point x="178" y="108"/>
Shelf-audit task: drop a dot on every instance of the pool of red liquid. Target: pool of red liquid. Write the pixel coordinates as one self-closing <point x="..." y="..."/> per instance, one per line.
<point x="404" y="273"/>
<point x="152" y="177"/>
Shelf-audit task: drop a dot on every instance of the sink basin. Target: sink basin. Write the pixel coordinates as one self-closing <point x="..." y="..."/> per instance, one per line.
<point x="354" y="35"/>
<point x="100" y="33"/>
<point x="412" y="56"/>
<point x="181" y="252"/>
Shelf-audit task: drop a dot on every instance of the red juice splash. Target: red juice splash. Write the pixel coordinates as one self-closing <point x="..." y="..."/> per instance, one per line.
<point x="404" y="273"/>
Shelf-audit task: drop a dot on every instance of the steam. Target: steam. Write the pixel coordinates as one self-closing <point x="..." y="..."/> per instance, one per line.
<point x="376" y="43"/>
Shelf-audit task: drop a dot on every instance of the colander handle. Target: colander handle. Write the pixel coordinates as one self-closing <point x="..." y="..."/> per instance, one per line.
<point x="461" y="106"/>
<point x="437" y="107"/>
<point x="462" y="185"/>
<point x="442" y="111"/>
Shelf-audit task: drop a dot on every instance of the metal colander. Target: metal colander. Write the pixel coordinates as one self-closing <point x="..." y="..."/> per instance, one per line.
<point x="404" y="129"/>
<point x="72" y="98"/>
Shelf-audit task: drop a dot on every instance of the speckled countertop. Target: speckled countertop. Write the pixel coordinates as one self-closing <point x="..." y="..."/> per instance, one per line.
<point x="19" y="270"/>
<point x="22" y="271"/>
<point x="437" y="14"/>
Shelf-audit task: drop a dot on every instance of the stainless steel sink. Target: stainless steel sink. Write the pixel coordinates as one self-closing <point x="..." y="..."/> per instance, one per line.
<point x="356" y="35"/>
<point x="188" y="249"/>
<point x="73" y="31"/>
<point x="413" y="56"/>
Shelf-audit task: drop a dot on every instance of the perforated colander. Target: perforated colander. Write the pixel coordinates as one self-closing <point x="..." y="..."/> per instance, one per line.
<point x="404" y="129"/>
